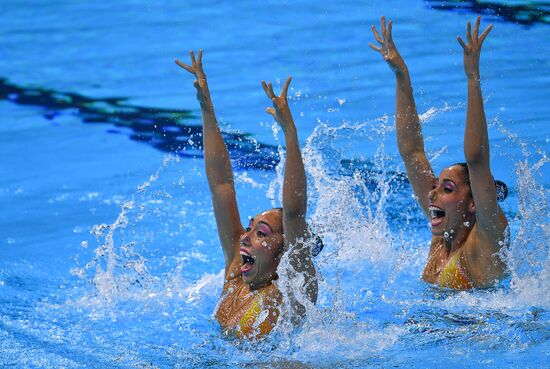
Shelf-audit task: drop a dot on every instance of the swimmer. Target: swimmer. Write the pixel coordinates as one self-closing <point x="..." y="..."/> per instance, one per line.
<point x="250" y="303"/>
<point x="468" y="226"/>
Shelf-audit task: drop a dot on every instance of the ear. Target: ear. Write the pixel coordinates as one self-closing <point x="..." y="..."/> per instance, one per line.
<point x="280" y="253"/>
<point x="472" y="207"/>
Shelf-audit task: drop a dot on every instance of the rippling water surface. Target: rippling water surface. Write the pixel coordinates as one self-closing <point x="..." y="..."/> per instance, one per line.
<point x="109" y="254"/>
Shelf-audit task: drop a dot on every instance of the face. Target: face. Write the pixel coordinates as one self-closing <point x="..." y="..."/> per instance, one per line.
<point x="450" y="202"/>
<point x="262" y="247"/>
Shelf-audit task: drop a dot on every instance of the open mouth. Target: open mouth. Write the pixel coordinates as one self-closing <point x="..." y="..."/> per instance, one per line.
<point x="248" y="261"/>
<point x="437" y="215"/>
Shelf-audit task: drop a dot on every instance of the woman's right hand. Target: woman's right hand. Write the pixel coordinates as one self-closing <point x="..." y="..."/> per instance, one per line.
<point x="472" y="48"/>
<point x="196" y="69"/>
<point x="387" y="48"/>
<point x="280" y="110"/>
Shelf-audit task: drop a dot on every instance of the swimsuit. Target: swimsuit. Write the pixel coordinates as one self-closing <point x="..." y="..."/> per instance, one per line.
<point x="246" y="319"/>
<point x="454" y="275"/>
<point x="253" y="322"/>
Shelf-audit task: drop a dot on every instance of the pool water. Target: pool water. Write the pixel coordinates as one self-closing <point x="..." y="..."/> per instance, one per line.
<point x="109" y="256"/>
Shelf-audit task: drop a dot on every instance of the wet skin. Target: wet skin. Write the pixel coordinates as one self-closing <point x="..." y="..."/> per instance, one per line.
<point x="451" y="205"/>
<point x="461" y="207"/>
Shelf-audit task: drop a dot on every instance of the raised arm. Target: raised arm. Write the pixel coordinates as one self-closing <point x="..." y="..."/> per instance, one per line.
<point x="407" y="123"/>
<point x="218" y="168"/>
<point x="490" y="221"/>
<point x="294" y="195"/>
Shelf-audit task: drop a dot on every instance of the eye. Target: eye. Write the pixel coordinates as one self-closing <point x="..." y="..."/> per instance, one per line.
<point x="247" y="229"/>
<point x="260" y="234"/>
<point x="447" y="189"/>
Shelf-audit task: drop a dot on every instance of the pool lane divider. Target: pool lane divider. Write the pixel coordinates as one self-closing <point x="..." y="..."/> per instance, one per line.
<point x="163" y="129"/>
<point x="166" y="130"/>
<point x="526" y="13"/>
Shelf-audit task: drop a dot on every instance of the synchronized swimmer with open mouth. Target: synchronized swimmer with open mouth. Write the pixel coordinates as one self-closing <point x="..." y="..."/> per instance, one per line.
<point x="251" y="301"/>
<point x="468" y="226"/>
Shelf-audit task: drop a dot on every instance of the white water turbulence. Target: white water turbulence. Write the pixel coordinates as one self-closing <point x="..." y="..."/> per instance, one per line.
<point x="528" y="256"/>
<point x="371" y="297"/>
<point x="347" y="203"/>
<point x="160" y="262"/>
<point x="128" y="264"/>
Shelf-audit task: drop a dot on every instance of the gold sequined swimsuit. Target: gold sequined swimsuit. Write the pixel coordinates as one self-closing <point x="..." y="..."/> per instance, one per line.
<point x="454" y="274"/>
<point x="250" y="317"/>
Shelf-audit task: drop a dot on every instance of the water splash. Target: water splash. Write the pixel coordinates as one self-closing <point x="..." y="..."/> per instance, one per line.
<point x="344" y="209"/>
<point x="371" y="298"/>
<point x="119" y="269"/>
<point x="348" y="210"/>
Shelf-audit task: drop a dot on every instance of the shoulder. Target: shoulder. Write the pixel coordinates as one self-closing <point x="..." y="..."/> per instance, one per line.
<point x="436" y="244"/>
<point x="481" y="257"/>
<point x="480" y="243"/>
<point x="272" y="295"/>
<point x="231" y="286"/>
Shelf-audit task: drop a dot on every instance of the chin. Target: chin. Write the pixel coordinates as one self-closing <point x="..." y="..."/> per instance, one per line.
<point x="248" y="280"/>
<point x="437" y="232"/>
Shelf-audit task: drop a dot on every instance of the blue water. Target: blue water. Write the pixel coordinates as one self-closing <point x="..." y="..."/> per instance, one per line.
<point x="109" y="254"/>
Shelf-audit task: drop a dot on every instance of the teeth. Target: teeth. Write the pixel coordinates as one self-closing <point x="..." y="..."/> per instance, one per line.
<point x="247" y="258"/>
<point x="436" y="212"/>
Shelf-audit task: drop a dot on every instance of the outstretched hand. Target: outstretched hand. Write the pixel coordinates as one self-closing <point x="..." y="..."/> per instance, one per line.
<point x="387" y="48"/>
<point x="472" y="49"/>
<point x="280" y="110"/>
<point x="196" y="69"/>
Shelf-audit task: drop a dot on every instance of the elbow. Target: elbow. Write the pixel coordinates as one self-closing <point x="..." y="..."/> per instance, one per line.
<point x="476" y="155"/>
<point x="294" y="212"/>
<point x="411" y="155"/>
<point x="406" y="152"/>
<point x="295" y="208"/>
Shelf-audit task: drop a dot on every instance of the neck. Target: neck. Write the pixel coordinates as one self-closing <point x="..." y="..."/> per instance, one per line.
<point x="456" y="237"/>
<point x="256" y="286"/>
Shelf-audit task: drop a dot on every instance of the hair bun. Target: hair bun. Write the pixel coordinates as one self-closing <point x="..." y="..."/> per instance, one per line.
<point x="318" y="245"/>
<point x="502" y="190"/>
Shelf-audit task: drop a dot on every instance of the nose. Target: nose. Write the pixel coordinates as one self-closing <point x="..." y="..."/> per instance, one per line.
<point x="245" y="239"/>
<point x="432" y="195"/>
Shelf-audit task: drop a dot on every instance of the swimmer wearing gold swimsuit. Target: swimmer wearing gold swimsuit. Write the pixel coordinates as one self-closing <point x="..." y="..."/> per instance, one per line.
<point x="468" y="226"/>
<point x="250" y="301"/>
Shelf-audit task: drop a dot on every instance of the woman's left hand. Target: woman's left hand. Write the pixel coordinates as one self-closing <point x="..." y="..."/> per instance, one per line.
<point x="280" y="110"/>
<point x="472" y="49"/>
